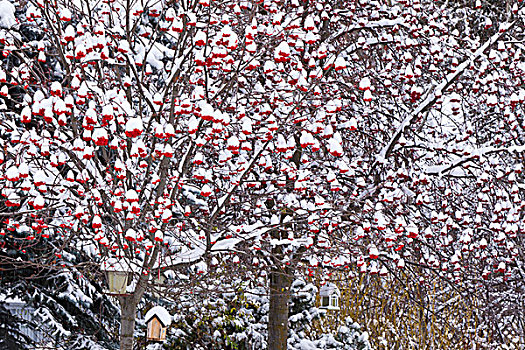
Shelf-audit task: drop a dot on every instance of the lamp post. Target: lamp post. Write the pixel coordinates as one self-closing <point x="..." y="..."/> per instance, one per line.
<point x="117" y="281"/>
<point x="117" y="276"/>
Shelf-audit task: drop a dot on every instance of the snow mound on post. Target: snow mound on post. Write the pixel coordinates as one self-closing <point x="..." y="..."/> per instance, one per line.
<point x="306" y="344"/>
<point x="7" y="14"/>
<point x="113" y="264"/>
<point x="161" y="313"/>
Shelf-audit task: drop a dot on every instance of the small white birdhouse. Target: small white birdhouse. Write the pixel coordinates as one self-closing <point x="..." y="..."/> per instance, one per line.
<point x="330" y="295"/>
<point x="158" y="319"/>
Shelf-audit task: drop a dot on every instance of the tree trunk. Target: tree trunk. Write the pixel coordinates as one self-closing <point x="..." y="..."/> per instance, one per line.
<point x="280" y="282"/>
<point x="128" y="309"/>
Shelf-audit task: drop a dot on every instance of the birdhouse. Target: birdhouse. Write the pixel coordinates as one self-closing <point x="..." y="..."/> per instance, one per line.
<point x="330" y="295"/>
<point x="117" y="276"/>
<point x="157" y="319"/>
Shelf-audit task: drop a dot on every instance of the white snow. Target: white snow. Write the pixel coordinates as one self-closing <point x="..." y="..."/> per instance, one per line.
<point x="161" y="313"/>
<point x="431" y="96"/>
<point x="329" y="289"/>
<point x="306" y="344"/>
<point x="7" y="14"/>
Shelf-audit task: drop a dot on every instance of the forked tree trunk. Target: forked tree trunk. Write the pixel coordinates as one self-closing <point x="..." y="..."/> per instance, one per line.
<point x="280" y="282"/>
<point x="128" y="309"/>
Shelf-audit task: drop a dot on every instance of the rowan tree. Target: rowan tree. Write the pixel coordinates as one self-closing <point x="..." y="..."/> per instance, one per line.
<point x="167" y="135"/>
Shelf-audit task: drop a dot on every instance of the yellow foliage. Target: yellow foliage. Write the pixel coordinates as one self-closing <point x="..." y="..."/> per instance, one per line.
<point x="400" y="314"/>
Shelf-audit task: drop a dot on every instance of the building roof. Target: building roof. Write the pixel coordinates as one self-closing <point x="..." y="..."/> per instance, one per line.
<point x="329" y="289"/>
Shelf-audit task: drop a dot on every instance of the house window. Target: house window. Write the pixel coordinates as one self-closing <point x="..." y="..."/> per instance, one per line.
<point x="325" y="301"/>
<point x="335" y="301"/>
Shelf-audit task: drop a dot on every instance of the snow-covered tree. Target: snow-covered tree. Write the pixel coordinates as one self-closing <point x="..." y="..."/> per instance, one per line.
<point x="169" y="135"/>
<point x="54" y="300"/>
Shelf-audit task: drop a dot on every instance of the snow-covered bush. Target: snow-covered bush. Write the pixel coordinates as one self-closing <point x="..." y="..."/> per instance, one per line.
<point x="348" y="337"/>
<point x="238" y="320"/>
<point x="304" y="335"/>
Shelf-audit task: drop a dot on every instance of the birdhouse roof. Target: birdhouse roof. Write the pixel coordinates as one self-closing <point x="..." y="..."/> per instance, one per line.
<point x="329" y="289"/>
<point x="161" y="313"/>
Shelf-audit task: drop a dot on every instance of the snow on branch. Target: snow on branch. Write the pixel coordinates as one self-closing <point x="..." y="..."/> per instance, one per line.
<point x="436" y="91"/>
<point x="440" y="170"/>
